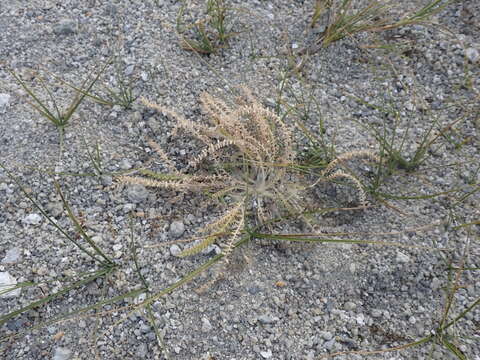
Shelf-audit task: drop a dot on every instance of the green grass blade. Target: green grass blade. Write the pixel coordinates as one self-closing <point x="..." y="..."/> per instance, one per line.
<point x="50" y="298"/>
<point x="44" y="213"/>
<point x="80" y="229"/>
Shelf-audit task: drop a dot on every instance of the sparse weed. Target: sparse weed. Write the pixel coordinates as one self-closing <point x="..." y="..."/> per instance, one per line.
<point x="207" y="35"/>
<point x="346" y="17"/>
<point x="123" y="94"/>
<point x="60" y="118"/>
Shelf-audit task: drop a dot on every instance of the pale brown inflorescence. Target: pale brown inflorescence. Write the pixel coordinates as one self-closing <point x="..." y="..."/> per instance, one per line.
<point x="251" y="157"/>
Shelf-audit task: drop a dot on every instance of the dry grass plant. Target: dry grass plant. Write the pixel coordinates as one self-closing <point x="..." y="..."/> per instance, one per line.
<point x="345" y="18"/>
<point x="248" y="163"/>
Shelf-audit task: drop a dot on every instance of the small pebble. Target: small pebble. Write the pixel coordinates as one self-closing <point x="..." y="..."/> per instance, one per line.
<point x="402" y="258"/>
<point x="175" y="250"/>
<point x="4" y="102"/>
<point x="62" y="353"/>
<point x="65" y="27"/>
<point x="137" y="193"/>
<point x="177" y="228"/>
<point x="206" y="325"/>
<point x="33" y="219"/>
<point x="12" y="256"/>
<point x="7" y="282"/>
<point x="266" y="354"/>
<point x="472" y="54"/>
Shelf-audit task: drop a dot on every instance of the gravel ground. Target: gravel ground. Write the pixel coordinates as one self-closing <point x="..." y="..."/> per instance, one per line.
<point x="278" y="301"/>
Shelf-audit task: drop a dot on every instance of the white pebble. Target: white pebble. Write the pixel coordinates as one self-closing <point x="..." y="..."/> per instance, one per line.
<point x="32" y="219"/>
<point x="8" y="282"/>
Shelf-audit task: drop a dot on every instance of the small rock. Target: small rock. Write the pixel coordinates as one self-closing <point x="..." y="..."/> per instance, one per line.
<point x="267" y="319"/>
<point x="350" y="306"/>
<point x="4" y="102"/>
<point x="65" y="27"/>
<point x="62" y="354"/>
<point x="266" y="354"/>
<point x="32" y="219"/>
<point x="329" y="344"/>
<point x="402" y="258"/>
<point x="12" y="256"/>
<point x="153" y="124"/>
<point x="110" y="9"/>
<point x="435" y="284"/>
<point x="326" y="335"/>
<point x="360" y="319"/>
<point x="177" y="228"/>
<point x="55" y="208"/>
<point x="125" y="164"/>
<point x="175" y="250"/>
<point x="8" y="282"/>
<point x="106" y="180"/>
<point x="206" y="325"/>
<point x="117" y="247"/>
<point x="142" y="351"/>
<point x="376" y="313"/>
<point x="136" y="116"/>
<point x="137" y="193"/>
<point x="472" y="54"/>
<point x="129" y="70"/>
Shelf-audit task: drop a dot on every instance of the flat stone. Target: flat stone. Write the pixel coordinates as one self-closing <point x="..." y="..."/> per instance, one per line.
<point x="267" y="319"/>
<point x="206" y="325"/>
<point x="402" y="258"/>
<point x="266" y="354"/>
<point x="4" y="102"/>
<point x="177" y="228"/>
<point x="12" y="256"/>
<point x="33" y="219"/>
<point x="137" y="193"/>
<point x="8" y="282"/>
<point x="65" y="27"/>
<point x="175" y="250"/>
<point x="350" y="306"/>
<point x="472" y="54"/>
<point x="326" y="335"/>
<point x="62" y="353"/>
<point x="329" y="344"/>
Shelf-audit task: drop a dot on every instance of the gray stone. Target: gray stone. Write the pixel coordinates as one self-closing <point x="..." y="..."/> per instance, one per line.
<point x="12" y="256"/>
<point x="4" y="102"/>
<point x="329" y="344"/>
<point x="65" y="27"/>
<point x="55" y="208"/>
<point x="106" y="180"/>
<point x="33" y="219"/>
<point x="62" y="353"/>
<point x="402" y="258"/>
<point x="177" y="228"/>
<point x="206" y="325"/>
<point x="142" y="351"/>
<point x="153" y="124"/>
<point x="350" y="306"/>
<point x="175" y="250"/>
<point x="472" y="54"/>
<point x="8" y="282"/>
<point x="137" y="193"/>
<point x="110" y="9"/>
<point x="266" y="354"/>
<point x="129" y="70"/>
<point x="125" y="164"/>
<point x="326" y="335"/>
<point x="267" y="319"/>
